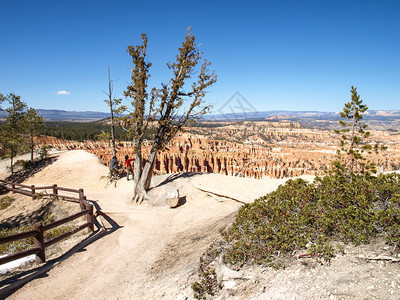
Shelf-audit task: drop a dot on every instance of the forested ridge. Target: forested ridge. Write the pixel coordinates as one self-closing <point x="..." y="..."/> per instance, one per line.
<point x="80" y="130"/>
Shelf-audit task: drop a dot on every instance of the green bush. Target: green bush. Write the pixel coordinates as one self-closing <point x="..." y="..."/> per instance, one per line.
<point x="38" y="196"/>
<point x="28" y="243"/>
<point x="6" y="202"/>
<point x="52" y="233"/>
<point x="26" y="164"/>
<point x="207" y="285"/>
<point x="43" y="151"/>
<point x="310" y="216"/>
<point x="15" y="246"/>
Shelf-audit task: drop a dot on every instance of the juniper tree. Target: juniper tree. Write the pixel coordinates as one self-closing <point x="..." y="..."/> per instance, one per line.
<point x="141" y="110"/>
<point x="172" y="106"/>
<point x="351" y="157"/>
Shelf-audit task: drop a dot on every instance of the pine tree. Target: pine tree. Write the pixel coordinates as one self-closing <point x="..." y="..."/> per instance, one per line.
<point x="13" y="131"/>
<point x="351" y="157"/>
<point x="32" y="124"/>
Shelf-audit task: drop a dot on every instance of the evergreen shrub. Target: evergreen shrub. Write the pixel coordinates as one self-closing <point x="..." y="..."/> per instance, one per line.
<point x="311" y="216"/>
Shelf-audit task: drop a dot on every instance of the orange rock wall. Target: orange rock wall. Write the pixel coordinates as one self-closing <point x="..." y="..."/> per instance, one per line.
<point x="264" y="151"/>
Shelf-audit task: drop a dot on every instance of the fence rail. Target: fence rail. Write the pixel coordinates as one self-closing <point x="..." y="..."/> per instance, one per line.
<point x="18" y="255"/>
<point x="38" y="229"/>
<point x="31" y="190"/>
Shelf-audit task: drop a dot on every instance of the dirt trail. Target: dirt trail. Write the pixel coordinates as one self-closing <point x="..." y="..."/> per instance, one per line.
<point x="153" y="250"/>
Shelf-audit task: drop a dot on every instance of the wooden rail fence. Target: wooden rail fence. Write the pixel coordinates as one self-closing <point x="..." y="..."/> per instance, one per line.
<point x="38" y="230"/>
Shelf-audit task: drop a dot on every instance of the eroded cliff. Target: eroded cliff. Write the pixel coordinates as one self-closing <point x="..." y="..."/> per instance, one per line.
<point x="249" y="149"/>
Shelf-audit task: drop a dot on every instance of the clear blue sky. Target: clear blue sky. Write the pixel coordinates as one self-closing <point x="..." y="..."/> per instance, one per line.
<point x="280" y="55"/>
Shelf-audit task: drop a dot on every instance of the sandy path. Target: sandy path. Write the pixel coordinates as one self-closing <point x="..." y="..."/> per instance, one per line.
<point x="155" y="250"/>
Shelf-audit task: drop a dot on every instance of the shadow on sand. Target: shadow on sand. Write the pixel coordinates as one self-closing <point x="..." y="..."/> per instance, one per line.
<point x="11" y="284"/>
<point x="23" y="174"/>
<point x="170" y="178"/>
<point x="181" y="201"/>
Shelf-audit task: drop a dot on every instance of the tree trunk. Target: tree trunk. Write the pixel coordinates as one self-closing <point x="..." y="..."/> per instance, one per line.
<point x="138" y="169"/>
<point x="11" y="159"/>
<point x="139" y="194"/>
<point x="111" y="149"/>
<point x="143" y="185"/>
<point x="352" y="145"/>
<point x="137" y="172"/>
<point x="32" y="146"/>
<point x="148" y="169"/>
<point x="110" y="103"/>
<point x="112" y="132"/>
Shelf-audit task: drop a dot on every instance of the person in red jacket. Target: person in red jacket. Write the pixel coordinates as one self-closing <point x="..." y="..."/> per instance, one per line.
<point x="128" y="166"/>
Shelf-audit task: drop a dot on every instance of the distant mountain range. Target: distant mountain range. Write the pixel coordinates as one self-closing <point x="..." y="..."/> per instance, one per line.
<point x="88" y="116"/>
<point x="376" y="119"/>
<point x="71" y="116"/>
<point x="283" y="114"/>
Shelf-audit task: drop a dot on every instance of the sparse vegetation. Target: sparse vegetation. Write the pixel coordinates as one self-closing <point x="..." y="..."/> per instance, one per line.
<point x="17" y="246"/>
<point x="112" y="177"/>
<point x="38" y="196"/>
<point x="52" y="233"/>
<point x="6" y="202"/>
<point x="208" y="284"/>
<point x="26" y="164"/>
<point x="25" y="244"/>
<point x="43" y="151"/>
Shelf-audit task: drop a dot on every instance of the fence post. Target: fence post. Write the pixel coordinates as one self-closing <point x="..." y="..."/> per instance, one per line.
<point x="81" y="199"/>
<point x="90" y="216"/>
<point x="55" y="191"/>
<point x="39" y="243"/>
<point x="33" y="190"/>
